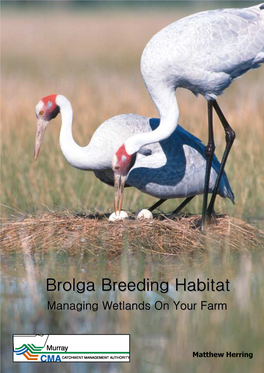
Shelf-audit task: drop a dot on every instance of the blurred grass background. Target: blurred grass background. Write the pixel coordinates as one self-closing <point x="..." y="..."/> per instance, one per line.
<point x="91" y="54"/>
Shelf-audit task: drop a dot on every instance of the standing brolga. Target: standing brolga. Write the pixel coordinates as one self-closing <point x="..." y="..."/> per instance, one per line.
<point x="204" y="53"/>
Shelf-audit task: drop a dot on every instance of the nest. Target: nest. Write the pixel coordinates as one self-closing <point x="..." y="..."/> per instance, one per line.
<point x="94" y="234"/>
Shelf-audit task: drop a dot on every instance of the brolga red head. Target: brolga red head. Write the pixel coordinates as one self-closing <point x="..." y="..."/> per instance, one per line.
<point x="121" y="165"/>
<point x="46" y="110"/>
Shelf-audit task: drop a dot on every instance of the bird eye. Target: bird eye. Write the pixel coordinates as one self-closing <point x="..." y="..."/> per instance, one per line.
<point x="117" y="167"/>
<point x="41" y="112"/>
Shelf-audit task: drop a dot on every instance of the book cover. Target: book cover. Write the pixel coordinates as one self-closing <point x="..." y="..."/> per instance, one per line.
<point x="156" y="291"/>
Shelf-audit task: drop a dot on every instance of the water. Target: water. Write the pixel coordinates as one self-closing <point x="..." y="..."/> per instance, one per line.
<point x="160" y="339"/>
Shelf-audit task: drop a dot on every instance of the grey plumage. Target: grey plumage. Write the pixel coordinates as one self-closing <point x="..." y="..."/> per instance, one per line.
<point x="205" y="52"/>
<point x="173" y="168"/>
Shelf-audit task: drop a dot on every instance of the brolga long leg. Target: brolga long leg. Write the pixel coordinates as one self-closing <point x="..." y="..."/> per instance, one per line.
<point x="178" y="209"/>
<point x="182" y="205"/>
<point x="230" y="137"/>
<point x="209" y="153"/>
<point x="157" y="204"/>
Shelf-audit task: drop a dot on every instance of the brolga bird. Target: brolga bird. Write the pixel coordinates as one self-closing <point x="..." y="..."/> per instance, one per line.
<point x="173" y="168"/>
<point x="204" y="53"/>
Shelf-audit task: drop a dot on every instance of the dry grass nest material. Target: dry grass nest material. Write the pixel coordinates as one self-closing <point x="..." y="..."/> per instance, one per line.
<point x="93" y="233"/>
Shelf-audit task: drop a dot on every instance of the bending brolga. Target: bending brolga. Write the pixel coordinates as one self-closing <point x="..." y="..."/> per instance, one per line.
<point x="203" y="53"/>
<point x="173" y="168"/>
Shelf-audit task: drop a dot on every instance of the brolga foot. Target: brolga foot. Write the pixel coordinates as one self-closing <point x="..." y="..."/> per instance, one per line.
<point x="212" y="218"/>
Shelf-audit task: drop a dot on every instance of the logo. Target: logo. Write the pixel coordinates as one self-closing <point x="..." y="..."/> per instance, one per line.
<point x="28" y="351"/>
<point x="60" y="348"/>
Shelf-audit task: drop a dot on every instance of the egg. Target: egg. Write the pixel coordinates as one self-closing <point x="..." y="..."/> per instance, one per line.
<point x="144" y="214"/>
<point x="123" y="215"/>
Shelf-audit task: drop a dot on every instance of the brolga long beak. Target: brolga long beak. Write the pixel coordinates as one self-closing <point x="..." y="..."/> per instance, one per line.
<point x="120" y="181"/>
<point x="41" y="127"/>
